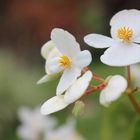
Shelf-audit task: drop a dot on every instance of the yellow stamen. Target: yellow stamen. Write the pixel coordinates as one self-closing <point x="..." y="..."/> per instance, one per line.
<point x="65" y="61"/>
<point x="125" y="34"/>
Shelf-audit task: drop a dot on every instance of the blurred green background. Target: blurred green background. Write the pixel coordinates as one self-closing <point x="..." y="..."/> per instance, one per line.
<point x="24" y="27"/>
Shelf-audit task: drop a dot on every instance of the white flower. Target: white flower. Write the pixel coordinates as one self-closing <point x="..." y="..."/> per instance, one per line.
<point x="135" y="71"/>
<point x="73" y="93"/>
<point x="125" y="32"/>
<point x="64" y="55"/>
<point x="48" y="52"/>
<point x="65" y="132"/>
<point x="115" y="87"/>
<point x="33" y="123"/>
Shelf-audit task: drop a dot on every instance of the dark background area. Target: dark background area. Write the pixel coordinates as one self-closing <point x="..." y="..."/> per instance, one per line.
<point x="26" y="25"/>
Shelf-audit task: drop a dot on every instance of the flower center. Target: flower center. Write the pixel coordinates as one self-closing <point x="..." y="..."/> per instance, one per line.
<point x="125" y="34"/>
<point x="65" y="61"/>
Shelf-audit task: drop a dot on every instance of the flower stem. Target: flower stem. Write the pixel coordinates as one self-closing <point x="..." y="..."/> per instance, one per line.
<point x="95" y="88"/>
<point x="95" y="76"/>
<point x="130" y="96"/>
<point x="134" y="103"/>
<point x="129" y="76"/>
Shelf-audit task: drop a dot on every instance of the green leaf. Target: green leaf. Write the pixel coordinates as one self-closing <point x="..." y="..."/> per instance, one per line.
<point x="136" y="135"/>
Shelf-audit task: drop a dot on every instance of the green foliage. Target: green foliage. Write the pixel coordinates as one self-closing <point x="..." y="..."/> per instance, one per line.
<point x="136" y="135"/>
<point x="18" y="88"/>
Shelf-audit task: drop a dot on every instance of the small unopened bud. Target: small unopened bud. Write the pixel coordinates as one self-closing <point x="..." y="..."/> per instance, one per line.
<point x="78" y="108"/>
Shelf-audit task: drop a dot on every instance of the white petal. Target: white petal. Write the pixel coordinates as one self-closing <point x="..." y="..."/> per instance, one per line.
<point x="46" y="49"/>
<point x="114" y="89"/>
<point x="24" y="114"/>
<point x="135" y="71"/>
<point x="47" y="78"/>
<point x="43" y="79"/>
<point x="65" y="42"/>
<point x="25" y="132"/>
<point x="103" y="101"/>
<point x="121" y="55"/>
<point x="137" y="39"/>
<point x="83" y="59"/>
<point x="126" y="18"/>
<point x="125" y="15"/>
<point x="53" y="53"/>
<point x="52" y="66"/>
<point x="99" y="41"/>
<point x="78" y="88"/>
<point x="118" y="84"/>
<point x="54" y="104"/>
<point x="67" y="79"/>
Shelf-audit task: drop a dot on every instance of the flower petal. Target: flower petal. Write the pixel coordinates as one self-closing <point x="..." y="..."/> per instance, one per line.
<point x="103" y="101"/>
<point x="114" y="89"/>
<point x="43" y="79"/>
<point x="137" y="39"/>
<point x="53" y="67"/>
<point x="54" y="104"/>
<point x="83" y="59"/>
<point x="117" y="83"/>
<point x="122" y="55"/>
<point x="47" y="78"/>
<point x="99" y="41"/>
<point x="78" y="88"/>
<point x="46" y="49"/>
<point x="67" y="79"/>
<point x="24" y="115"/>
<point x="125" y="15"/>
<point x="53" y="53"/>
<point x="128" y="19"/>
<point x="25" y="133"/>
<point x="135" y="71"/>
<point x="65" y="42"/>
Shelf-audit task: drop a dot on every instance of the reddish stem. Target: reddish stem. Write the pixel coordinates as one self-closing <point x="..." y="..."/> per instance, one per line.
<point x="95" y="88"/>
<point x="98" y="78"/>
<point x="134" y="103"/>
<point x="129" y="76"/>
<point x="95" y="76"/>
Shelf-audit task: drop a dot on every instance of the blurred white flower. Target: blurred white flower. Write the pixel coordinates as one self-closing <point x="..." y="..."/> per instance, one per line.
<point x="135" y="71"/>
<point x="65" y="132"/>
<point x="33" y="124"/>
<point x="115" y="87"/>
<point x="125" y="32"/>
<point x="73" y="93"/>
<point x="63" y="54"/>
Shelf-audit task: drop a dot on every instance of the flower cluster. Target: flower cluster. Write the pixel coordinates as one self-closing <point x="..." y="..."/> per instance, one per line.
<point x="123" y="48"/>
<point x="64" y="57"/>
<point x="34" y="126"/>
